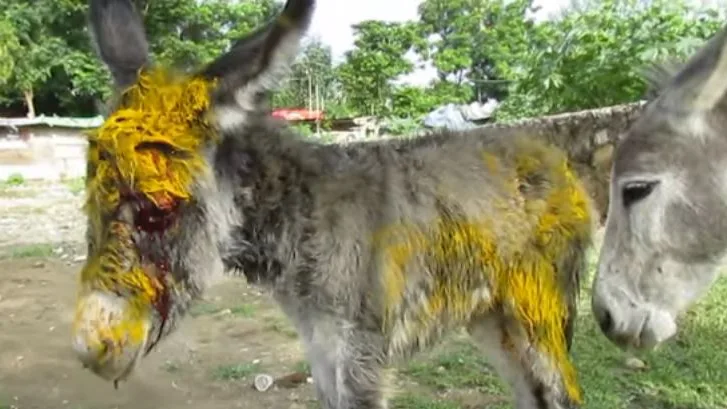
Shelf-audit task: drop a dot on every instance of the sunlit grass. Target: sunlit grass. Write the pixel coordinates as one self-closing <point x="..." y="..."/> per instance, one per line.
<point x="687" y="373"/>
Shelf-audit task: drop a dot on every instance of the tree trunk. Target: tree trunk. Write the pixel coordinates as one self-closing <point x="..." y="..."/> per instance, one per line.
<point x="28" y="94"/>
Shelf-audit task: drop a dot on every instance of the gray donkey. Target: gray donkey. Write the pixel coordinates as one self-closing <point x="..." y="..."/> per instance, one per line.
<point x="666" y="230"/>
<point x="375" y="250"/>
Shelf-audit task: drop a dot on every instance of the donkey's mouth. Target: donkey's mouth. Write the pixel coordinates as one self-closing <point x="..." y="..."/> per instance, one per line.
<point x="113" y="332"/>
<point x="152" y="221"/>
<point x="109" y="334"/>
<point x="124" y="309"/>
<point x="657" y="328"/>
<point x="153" y="218"/>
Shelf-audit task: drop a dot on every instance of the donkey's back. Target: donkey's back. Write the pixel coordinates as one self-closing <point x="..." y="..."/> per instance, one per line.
<point x="477" y="228"/>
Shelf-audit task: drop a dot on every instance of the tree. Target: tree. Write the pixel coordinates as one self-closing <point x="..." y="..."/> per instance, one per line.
<point x="311" y="82"/>
<point x="378" y="58"/>
<point x="56" y="69"/>
<point x="37" y="54"/>
<point x="466" y="39"/>
<point x="188" y="33"/>
<point x="9" y="46"/>
<point x="593" y="56"/>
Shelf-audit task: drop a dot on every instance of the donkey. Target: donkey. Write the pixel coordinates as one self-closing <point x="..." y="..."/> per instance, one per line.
<point x="374" y="250"/>
<point x="666" y="229"/>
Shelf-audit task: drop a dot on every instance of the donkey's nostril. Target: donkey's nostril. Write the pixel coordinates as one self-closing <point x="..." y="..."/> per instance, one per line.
<point x="605" y="321"/>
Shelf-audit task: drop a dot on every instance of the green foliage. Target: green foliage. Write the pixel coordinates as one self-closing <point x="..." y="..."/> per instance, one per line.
<point x="9" y="45"/>
<point x="303" y="129"/>
<point x="592" y="58"/>
<point x="235" y="372"/>
<point x="189" y="33"/>
<point x="468" y="39"/>
<point x="589" y="55"/>
<point x="404" y="126"/>
<point x="377" y="60"/>
<point x="55" y="67"/>
<point x="40" y="250"/>
<point x="14" y="179"/>
<point x="312" y="79"/>
<point x="408" y="101"/>
<point x="38" y="50"/>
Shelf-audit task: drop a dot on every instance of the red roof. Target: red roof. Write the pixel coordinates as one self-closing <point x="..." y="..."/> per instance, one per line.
<point x="298" y="114"/>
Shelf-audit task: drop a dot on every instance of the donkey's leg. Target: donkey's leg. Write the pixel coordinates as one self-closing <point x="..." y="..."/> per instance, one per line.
<point x="322" y="347"/>
<point x="347" y="367"/>
<point x="362" y="372"/>
<point x="534" y="384"/>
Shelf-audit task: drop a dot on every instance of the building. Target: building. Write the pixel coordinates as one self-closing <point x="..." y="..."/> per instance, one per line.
<point x="44" y="148"/>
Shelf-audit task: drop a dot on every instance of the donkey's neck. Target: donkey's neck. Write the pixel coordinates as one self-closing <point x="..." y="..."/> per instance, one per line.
<point x="271" y="173"/>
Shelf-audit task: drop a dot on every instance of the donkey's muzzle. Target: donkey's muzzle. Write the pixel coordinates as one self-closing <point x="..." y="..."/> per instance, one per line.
<point x="109" y="335"/>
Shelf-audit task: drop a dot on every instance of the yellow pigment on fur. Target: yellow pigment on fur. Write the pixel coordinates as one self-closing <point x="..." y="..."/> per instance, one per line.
<point x="130" y="328"/>
<point x="117" y="269"/>
<point x="160" y="108"/>
<point x="150" y="146"/>
<point x="462" y="256"/>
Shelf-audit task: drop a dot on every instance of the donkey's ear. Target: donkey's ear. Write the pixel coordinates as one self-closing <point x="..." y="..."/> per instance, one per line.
<point x="119" y="38"/>
<point x="257" y="63"/>
<point x="702" y="82"/>
<point x="657" y="75"/>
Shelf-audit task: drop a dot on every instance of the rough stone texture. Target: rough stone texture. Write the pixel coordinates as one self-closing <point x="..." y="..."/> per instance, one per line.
<point x="589" y="137"/>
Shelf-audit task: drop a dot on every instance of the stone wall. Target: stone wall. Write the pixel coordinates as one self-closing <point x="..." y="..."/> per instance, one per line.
<point x="589" y="137"/>
<point x="43" y="153"/>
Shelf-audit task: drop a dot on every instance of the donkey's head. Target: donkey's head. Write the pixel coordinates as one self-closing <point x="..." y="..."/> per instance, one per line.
<point x="666" y="231"/>
<point x="157" y="208"/>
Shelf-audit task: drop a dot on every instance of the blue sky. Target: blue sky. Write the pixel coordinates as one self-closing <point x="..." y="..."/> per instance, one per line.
<point x="333" y="19"/>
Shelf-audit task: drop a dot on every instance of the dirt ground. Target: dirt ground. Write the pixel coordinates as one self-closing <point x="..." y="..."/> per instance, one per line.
<point x="238" y="332"/>
<point x="210" y="362"/>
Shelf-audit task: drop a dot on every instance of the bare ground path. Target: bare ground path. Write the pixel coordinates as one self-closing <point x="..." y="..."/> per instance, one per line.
<point x="237" y="332"/>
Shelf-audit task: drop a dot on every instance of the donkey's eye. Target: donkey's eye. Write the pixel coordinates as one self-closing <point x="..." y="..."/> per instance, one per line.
<point x="104" y="155"/>
<point x="635" y="191"/>
<point x="161" y="147"/>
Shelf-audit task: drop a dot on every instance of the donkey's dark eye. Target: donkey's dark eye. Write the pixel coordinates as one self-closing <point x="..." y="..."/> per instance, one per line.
<point x="635" y="191"/>
<point x="161" y="147"/>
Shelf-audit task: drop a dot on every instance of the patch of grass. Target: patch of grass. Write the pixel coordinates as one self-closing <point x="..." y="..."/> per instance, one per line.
<point x="12" y="192"/>
<point x="207" y="308"/>
<point x="27" y="251"/>
<point x="244" y="310"/>
<point x="75" y="185"/>
<point x="235" y="372"/>
<point x="203" y="308"/>
<point x="686" y="373"/>
<point x="14" y="179"/>
<point x="281" y="326"/>
<point x="411" y="401"/>
<point x="456" y="365"/>
<point x="302" y="366"/>
<point x="171" y="366"/>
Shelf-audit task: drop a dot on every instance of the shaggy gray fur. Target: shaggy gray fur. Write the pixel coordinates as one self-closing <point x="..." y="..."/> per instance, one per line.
<point x="301" y="219"/>
<point x="666" y="231"/>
